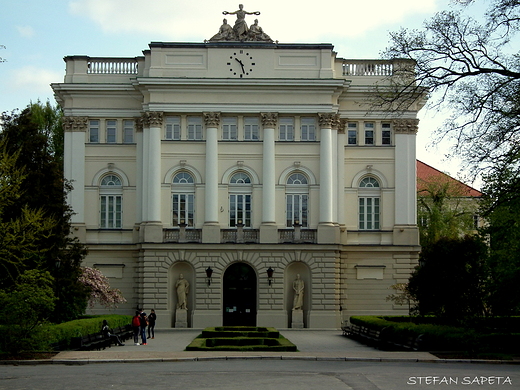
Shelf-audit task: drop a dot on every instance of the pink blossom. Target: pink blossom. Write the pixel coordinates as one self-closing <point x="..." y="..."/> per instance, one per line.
<point x="100" y="291"/>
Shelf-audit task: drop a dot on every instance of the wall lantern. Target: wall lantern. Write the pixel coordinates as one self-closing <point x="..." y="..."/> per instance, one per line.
<point x="209" y="272"/>
<point x="270" y="272"/>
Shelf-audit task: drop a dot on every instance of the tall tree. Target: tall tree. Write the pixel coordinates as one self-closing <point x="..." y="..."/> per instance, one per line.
<point x="444" y="209"/>
<point x="470" y="70"/>
<point x="33" y="134"/>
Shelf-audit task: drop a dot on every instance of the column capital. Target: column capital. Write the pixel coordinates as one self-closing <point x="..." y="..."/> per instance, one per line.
<point x="405" y="126"/>
<point x="211" y="119"/>
<point x="342" y="125"/>
<point x="328" y="120"/>
<point x="152" y="118"/>
<point x="139" y="124"/>
<point x="269" y="119"/>
<point x="75" y="123"/>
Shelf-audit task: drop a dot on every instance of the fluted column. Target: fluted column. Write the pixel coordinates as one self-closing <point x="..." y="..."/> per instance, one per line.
<point x="212" y="122"/>
<point x="74" y="164"/>
<point x="269" y="121"/>
<point x="405" y="229"/>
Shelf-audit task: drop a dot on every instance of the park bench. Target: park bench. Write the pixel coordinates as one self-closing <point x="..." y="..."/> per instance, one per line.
<point x="380" y="339"/>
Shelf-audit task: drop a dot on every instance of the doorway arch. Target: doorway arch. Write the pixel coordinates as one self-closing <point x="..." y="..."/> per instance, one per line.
<point x="239" y="295"/>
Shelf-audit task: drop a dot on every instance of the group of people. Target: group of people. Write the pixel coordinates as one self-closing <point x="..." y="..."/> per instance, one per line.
<point x="141" y="322"/>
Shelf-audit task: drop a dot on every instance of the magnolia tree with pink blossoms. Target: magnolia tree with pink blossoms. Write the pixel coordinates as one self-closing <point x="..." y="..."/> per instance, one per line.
<point x="99" y="287"/>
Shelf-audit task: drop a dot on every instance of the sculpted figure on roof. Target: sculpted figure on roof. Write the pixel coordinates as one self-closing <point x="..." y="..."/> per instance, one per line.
<point x="240" y="31"/>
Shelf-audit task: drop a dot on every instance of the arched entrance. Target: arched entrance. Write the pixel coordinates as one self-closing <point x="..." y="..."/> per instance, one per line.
<point x="239" y="296"/>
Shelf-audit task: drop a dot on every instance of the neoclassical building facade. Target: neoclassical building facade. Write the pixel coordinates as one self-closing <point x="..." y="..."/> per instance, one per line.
<point x="242" y="166"/>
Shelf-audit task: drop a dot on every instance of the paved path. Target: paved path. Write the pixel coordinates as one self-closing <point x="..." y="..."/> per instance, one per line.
<point x="169" y="345"/>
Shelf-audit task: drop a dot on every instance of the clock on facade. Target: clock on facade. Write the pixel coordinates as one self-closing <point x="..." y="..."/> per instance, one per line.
<point x="240" y="63"/>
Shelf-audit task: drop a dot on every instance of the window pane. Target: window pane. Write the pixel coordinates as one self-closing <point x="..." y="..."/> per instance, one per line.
<point x="308" y="129"/>
<point x="251" y="126"/>
<point x="173" y="128"/>
<point x="128" y="132"/>
<point x="194" y="128"/>
<point x="286" y="129"/>
<point x="94" y="131"/>
<point x="229" y="128"/>
<point x="111" y="131"/>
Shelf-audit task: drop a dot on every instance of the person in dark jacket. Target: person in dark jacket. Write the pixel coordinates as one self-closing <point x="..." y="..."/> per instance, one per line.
<point x="151" y="324"/>
<point x="108" y="334"/>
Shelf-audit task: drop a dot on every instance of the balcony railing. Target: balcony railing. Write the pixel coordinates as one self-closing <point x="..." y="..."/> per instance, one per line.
<point x="297" y="236"/>
<point x="240" y="235"/>
<point x="112" y="66"/>
<point x="183" y="235"/>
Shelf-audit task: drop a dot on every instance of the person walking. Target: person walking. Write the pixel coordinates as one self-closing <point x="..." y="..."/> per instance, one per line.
<point x="151" y="324"/>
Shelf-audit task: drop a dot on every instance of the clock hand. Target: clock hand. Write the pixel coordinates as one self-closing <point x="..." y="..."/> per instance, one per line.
<point x="241" y="64"/>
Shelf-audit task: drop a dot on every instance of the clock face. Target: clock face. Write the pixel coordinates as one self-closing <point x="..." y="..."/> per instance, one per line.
<point x="240" y="63"/>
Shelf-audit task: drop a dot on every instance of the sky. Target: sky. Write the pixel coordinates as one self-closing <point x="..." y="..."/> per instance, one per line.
<point x="37" y="35"/>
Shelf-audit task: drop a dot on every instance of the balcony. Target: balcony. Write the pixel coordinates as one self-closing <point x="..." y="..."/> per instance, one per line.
<point x="241" y="236"/>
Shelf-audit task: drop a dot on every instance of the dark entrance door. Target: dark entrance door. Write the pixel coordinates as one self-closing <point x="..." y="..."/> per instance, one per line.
<point x="239" y="296"/>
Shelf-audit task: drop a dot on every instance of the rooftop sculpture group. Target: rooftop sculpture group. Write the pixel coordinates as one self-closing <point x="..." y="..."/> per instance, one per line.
<point x="240" y="31"/>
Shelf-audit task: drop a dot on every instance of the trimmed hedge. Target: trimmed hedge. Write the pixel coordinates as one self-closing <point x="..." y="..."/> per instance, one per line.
<point x="434" y="337"/>
<point x="52" y="337"/>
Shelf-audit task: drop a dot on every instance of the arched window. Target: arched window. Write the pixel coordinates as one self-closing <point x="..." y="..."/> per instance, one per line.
<point x="369" y="204"/>
<point x="111" y="202"/>
<point x="240" y="190"/>
<point x="183" y="199"/>
<point x="297" y="200"/>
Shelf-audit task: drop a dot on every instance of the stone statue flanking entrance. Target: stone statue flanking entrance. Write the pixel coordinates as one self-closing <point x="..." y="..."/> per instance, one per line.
<point x="297" y="311"/>
<point x="181" y="313"/>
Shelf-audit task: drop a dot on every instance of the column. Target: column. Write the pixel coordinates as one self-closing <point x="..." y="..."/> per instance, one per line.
<point x="327" y="232"/>
<point x="405" y="228"/>
<point x="74" y="169"/>
<point x="152" y="176"/>
<point x="342" y="141"/>
<point x="268" y="229"/>
<point x="139" y="205"/>
<point x="211" y="228"/>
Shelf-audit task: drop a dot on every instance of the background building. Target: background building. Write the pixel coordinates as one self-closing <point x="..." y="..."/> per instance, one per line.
<point x="241" y="165"/>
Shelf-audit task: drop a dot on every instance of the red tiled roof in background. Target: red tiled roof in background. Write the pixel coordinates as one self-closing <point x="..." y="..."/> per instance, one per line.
<point x="425" y="171"/>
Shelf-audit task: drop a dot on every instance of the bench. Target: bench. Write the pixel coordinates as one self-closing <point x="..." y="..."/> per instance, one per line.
<point x="124" y="332"/>
<point x="379" y="338"/>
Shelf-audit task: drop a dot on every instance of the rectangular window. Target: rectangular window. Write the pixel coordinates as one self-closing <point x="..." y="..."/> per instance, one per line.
<point x="195" y="128"/>
<point x="369" y="133"/>
<point x="308" y="128"/>
<point x="286" y="129"/>
<point x="386" y="134"/>
<point x="352" y="133"/>
<point x="251" y="129"/>
<point x="183" y="209"/>
<point x="128" y="132"/>
<point x="111" y="132"/>
<point x="111" y="211"/>
<point x="239" y="210"/>
<point x="296" y="209"/>
<point x="93" y="131"/>
<point x="173" y="128"/>
<point x="368" y="213"/>
<point x="229" y="128"/>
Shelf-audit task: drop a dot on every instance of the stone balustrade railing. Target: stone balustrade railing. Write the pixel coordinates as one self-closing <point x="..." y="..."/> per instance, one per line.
<point x="378" y="68"/>
<point x="112" y="66"/>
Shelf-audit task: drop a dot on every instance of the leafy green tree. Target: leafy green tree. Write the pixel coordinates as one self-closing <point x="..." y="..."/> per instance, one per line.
<point x="444" y="209"/>
<point x="34" y="135"/>
<point x="24" y="309"/>
<point x="450" y="280"/>
<point x="501" y="207"/>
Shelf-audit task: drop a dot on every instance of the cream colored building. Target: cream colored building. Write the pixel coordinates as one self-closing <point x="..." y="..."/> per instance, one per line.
<point x="241" y="157"/>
